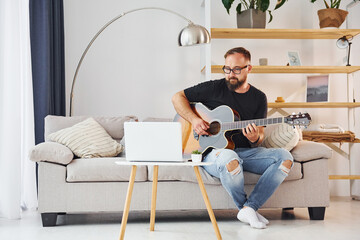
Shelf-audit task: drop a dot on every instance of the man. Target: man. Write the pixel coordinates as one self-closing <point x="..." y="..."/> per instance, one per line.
<point x="272" y="164"/>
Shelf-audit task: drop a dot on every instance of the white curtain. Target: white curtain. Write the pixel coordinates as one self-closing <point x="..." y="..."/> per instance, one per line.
<point x="17" y="173"/>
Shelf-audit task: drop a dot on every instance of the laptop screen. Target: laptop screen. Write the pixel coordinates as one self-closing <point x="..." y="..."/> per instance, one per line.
<point x="153" y="141"/>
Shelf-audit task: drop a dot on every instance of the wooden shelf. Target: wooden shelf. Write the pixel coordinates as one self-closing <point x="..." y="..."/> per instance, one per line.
<point x="250" y="33"/>
<point x="336" y="177"/>
<point x="295" y="69"/>
<point x="314" y="105"/>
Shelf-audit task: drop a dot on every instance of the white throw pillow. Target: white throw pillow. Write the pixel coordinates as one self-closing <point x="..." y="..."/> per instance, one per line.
<point x="87" y="139"/>
<point x="283" y="136"/>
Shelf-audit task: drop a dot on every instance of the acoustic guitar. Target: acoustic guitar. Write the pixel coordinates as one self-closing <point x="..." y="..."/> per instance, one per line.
<point x="222" y="120"/>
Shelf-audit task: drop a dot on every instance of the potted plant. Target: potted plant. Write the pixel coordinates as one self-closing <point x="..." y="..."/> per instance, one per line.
<point x="252" y="13"/>
<point x="331" y="16"/>
<point x="196" y="156"/>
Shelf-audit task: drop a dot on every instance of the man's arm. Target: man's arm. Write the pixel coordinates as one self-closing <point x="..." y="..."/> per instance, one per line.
<point x="183" y="108"/>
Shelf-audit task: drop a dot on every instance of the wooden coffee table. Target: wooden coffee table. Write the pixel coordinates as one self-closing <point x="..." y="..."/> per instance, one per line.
<point x="154" y="191"/>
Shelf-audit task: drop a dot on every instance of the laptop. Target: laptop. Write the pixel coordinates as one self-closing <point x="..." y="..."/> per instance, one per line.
<point x="153" y="141"/>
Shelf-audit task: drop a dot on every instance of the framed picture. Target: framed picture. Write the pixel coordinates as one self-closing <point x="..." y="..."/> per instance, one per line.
<point x="317" y="88"/>
<point x="294" y="59"/>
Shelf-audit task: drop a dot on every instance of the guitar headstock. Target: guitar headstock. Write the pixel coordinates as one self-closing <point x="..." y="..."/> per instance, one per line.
<point x="298" y="119"/>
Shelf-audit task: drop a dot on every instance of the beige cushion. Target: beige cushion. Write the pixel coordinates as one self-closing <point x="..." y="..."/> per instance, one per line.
<point x="114" y="126"/>
<point x="307" y="151"/>
<point x="168" y="173"/>
<point x="283" y="136"/>
<point x="87" y="139"/>
<point x="101" y="170"/>
<point x="51" y="152"/>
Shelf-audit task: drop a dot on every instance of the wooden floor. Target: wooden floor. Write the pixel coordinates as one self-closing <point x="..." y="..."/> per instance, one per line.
<point x="342" y="221"/>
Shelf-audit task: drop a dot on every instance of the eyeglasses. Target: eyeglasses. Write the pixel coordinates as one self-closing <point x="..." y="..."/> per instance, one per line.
<point x="236" y="70"/>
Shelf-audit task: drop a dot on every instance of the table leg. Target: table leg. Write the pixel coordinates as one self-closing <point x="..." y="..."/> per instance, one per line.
<point x="153" y="198"/>
<point x="127" y="202"/>
<point x="207" y="202"/>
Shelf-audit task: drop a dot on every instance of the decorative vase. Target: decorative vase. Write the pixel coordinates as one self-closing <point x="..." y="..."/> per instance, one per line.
<point x="251" y="18"/>
<point x="331" y="17"/>
<point x="196" y="157"/>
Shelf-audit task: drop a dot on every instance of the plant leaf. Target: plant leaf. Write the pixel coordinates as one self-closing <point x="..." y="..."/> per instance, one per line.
<point x="326" y="4"/>
<point x="227" y="4"/>
<point x="245" y="4"/>
<point x="336" y="4"/>
<point x="238" y="8"/>
<point x="263" y="5"/>
<point x="271" y="16"/>
<point x="280" y="3"/>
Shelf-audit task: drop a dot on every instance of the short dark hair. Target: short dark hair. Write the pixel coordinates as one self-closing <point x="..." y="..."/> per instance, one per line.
<point x="240" y="50"/>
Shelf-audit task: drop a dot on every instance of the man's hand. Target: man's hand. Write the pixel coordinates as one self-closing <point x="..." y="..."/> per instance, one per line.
<point x="200" y="126"/>
<point x="251" y="132"/>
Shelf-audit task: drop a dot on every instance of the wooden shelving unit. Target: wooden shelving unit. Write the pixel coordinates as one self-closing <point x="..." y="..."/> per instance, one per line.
<point x="250" y="33"/>
<point x="314" y="105"/>
<point x="230" y="33"/>
<point x="295" y="69"/>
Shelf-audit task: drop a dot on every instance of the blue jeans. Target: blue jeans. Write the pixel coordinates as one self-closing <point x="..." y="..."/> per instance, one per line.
<point x="266" y="162"/>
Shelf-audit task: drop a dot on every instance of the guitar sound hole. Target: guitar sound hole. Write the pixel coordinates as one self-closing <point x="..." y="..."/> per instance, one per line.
<point x="214" y="128"/>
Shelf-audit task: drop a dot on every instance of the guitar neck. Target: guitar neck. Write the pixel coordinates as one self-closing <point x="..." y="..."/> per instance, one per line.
<point x="258" y="122"/>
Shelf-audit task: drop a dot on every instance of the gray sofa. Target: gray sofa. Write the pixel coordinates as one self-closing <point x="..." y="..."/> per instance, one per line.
<point x="99" y="185"/>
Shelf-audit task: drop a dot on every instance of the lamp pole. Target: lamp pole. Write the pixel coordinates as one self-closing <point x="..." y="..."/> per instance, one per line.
<point x="205" y="38"/>
<point x="348" y="60"/>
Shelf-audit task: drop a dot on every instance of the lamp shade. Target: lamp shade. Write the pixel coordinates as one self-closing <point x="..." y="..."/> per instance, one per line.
<point x="342" y="42"/>
<point x="193" y="34"/>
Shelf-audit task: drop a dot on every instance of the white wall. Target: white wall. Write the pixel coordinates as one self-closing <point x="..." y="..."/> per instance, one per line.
<point x="135" y="66"/>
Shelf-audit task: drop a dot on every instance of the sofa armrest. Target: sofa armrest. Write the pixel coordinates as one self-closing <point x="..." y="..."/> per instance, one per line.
<point x="51" y="152"/>
<point x="307" y="150"/>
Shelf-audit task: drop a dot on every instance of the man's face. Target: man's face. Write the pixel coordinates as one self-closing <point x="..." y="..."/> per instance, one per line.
<point x="236" y="61"/>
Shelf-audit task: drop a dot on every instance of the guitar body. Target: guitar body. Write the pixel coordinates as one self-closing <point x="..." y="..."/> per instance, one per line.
<point x="217" y="138"/>
<point x="223" y="120"/>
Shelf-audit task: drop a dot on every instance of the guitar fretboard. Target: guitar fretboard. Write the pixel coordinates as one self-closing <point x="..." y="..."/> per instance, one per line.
<point x="258" y="122"/>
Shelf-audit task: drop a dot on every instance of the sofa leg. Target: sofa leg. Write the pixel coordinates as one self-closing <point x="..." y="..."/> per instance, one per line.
<point x="288" y="209"/>
<point x="49" y="219"/>
<point x="316" y="213"/>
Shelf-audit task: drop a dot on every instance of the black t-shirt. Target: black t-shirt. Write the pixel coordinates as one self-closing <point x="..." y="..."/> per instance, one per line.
<point x="250" y="105"/>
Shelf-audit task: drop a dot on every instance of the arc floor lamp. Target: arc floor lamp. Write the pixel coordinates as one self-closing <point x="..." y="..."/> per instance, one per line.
<point x="192" y="34"/>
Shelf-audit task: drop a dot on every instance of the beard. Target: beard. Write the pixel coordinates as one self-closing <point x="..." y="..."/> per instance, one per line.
<point x="235" y="85"/>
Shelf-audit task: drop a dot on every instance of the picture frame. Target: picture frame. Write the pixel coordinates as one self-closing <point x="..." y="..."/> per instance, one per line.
<point x="317" y="88"/>
<point x="294" y="58"/>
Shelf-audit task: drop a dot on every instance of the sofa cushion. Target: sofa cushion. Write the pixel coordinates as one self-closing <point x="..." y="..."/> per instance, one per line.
<point x="87" y="139"/>
<point x="114" y="126"/>
<point x="102" y="170"/>
<point x="187" y="174"/>
<point x="155" y="119"/>
<point x="168" y="173"/>
<point x="307" y="151"/>
<point x="282" y="136"/>
<point x="51" y="152"/>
